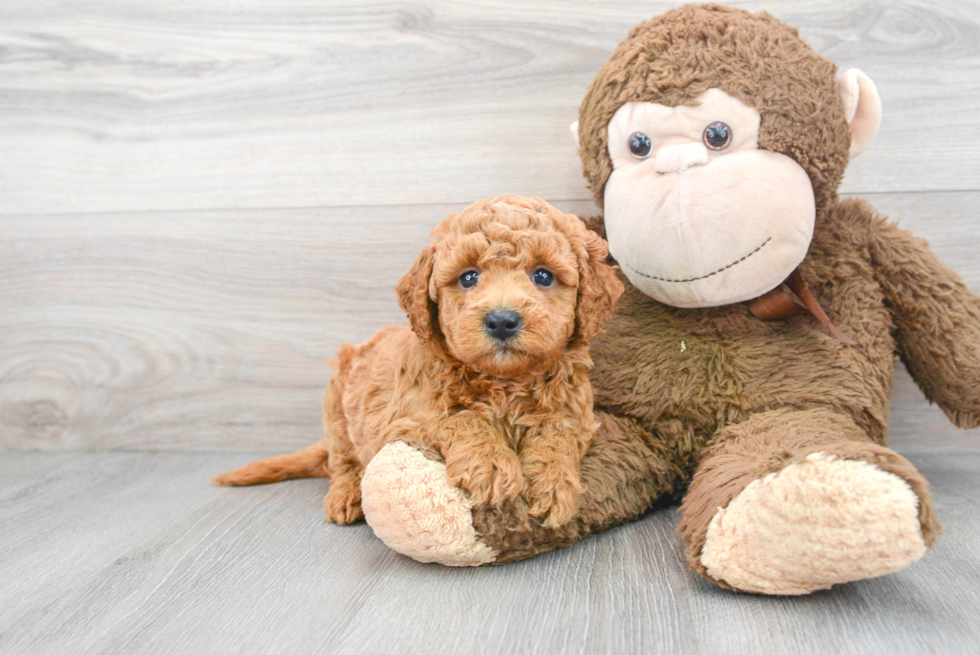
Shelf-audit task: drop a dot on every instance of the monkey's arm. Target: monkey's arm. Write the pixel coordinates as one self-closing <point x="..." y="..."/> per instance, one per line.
<point x="937" y="319"/>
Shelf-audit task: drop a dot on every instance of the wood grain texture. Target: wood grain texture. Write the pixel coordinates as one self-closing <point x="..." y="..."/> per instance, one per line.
<point x="135" y="553"/>
<point x="114" y="106"/>
<point x="202" y="330"/>
<point x="138" y="327"/>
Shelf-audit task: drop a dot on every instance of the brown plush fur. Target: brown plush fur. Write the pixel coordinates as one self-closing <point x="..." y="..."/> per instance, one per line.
<point x="694" y="404"/>
<point x="509" y="418"/>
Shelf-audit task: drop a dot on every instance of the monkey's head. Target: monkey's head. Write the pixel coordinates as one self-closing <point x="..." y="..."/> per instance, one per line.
<point x="712" y="139"/>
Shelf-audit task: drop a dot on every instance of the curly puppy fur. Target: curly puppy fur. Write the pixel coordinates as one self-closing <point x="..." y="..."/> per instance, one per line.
<point x="509" y="417"/>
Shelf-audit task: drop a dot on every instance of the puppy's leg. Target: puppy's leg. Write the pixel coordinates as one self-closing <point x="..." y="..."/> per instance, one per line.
<point x="552" y="460"/>
<point x="342" y="504"/>
<point x="478" y="458"/>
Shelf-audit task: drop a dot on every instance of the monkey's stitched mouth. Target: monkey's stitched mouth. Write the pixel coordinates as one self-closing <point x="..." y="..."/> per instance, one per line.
<point x="701" y="277"/>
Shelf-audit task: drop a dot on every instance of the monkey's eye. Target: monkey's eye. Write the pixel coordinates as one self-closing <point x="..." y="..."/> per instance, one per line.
<point x="717" y="135"/>
<point x="543" y="277"/>
<point x="469" y="279"/>
<point x="640" y="145"/>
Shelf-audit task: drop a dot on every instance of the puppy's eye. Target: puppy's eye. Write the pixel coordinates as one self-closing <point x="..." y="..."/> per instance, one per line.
<point x="640" y="145"/>
<point x="543" y="277"/>
<point x="469" y="279"/>
<point x="717" y="135"/>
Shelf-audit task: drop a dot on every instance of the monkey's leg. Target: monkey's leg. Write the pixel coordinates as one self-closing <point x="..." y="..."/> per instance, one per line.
<point x="792" y="501"/>
<point x="411" y="506"/>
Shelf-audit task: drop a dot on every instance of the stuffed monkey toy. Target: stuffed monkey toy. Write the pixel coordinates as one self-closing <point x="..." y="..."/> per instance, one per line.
<point x="748" y="368"/>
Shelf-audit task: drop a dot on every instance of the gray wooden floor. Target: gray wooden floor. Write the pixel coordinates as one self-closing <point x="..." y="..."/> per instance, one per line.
<point x="200" y="201"/>
<point x="136" y="553"/>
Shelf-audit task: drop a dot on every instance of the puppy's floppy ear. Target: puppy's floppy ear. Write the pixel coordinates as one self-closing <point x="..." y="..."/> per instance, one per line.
<point x="598" y="290"/>
<point x="413" y="295"/>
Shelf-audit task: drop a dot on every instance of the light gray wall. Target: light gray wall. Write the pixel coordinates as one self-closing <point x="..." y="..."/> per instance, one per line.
<point x="200" y="201"/>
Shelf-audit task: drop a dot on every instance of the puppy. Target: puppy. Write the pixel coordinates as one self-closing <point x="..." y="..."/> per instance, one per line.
<point x="493" y="373"/>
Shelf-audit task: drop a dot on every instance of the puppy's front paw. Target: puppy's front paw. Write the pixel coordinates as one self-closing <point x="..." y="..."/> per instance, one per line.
<point x="490" y="475"/>
<point x="556" y="500"/>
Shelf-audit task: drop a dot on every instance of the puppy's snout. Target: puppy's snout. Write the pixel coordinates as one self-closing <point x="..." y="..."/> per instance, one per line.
<point x="502" y="324"/>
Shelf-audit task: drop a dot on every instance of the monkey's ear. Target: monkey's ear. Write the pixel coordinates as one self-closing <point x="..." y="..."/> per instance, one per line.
<point x="599" y="288"/>
<point x="862" y="108"/>
<point x="574" y="128"/>
<point x="413" y="295"/>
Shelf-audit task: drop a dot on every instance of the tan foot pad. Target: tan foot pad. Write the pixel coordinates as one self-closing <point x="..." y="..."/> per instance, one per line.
<point x="812" y="525"/>
<point x="410" y="505"/>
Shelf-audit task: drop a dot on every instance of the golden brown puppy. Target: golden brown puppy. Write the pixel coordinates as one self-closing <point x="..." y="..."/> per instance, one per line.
<point x="493" y="373"/>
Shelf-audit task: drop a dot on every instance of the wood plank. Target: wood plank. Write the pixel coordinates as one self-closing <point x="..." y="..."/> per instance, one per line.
<point x="114" y="106"/>
<point x="202" y="330"/>
<point x="136" y="553"/>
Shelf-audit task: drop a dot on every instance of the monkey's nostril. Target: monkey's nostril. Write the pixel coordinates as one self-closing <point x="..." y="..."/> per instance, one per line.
<point x="502" y="324"/>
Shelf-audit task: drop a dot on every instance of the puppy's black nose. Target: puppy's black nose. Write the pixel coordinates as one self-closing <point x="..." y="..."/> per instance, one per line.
<point x="502" y="324"/>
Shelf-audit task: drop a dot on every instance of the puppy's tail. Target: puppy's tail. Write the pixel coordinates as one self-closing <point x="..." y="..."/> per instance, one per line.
<point x="307" y="463"/>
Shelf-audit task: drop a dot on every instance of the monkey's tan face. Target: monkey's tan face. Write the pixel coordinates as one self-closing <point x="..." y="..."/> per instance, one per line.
<point x="695" y="213"/>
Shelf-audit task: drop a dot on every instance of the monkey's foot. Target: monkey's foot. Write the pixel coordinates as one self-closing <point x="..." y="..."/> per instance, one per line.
<point x="411" y="506"/>
<point x="814" y="524"/>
